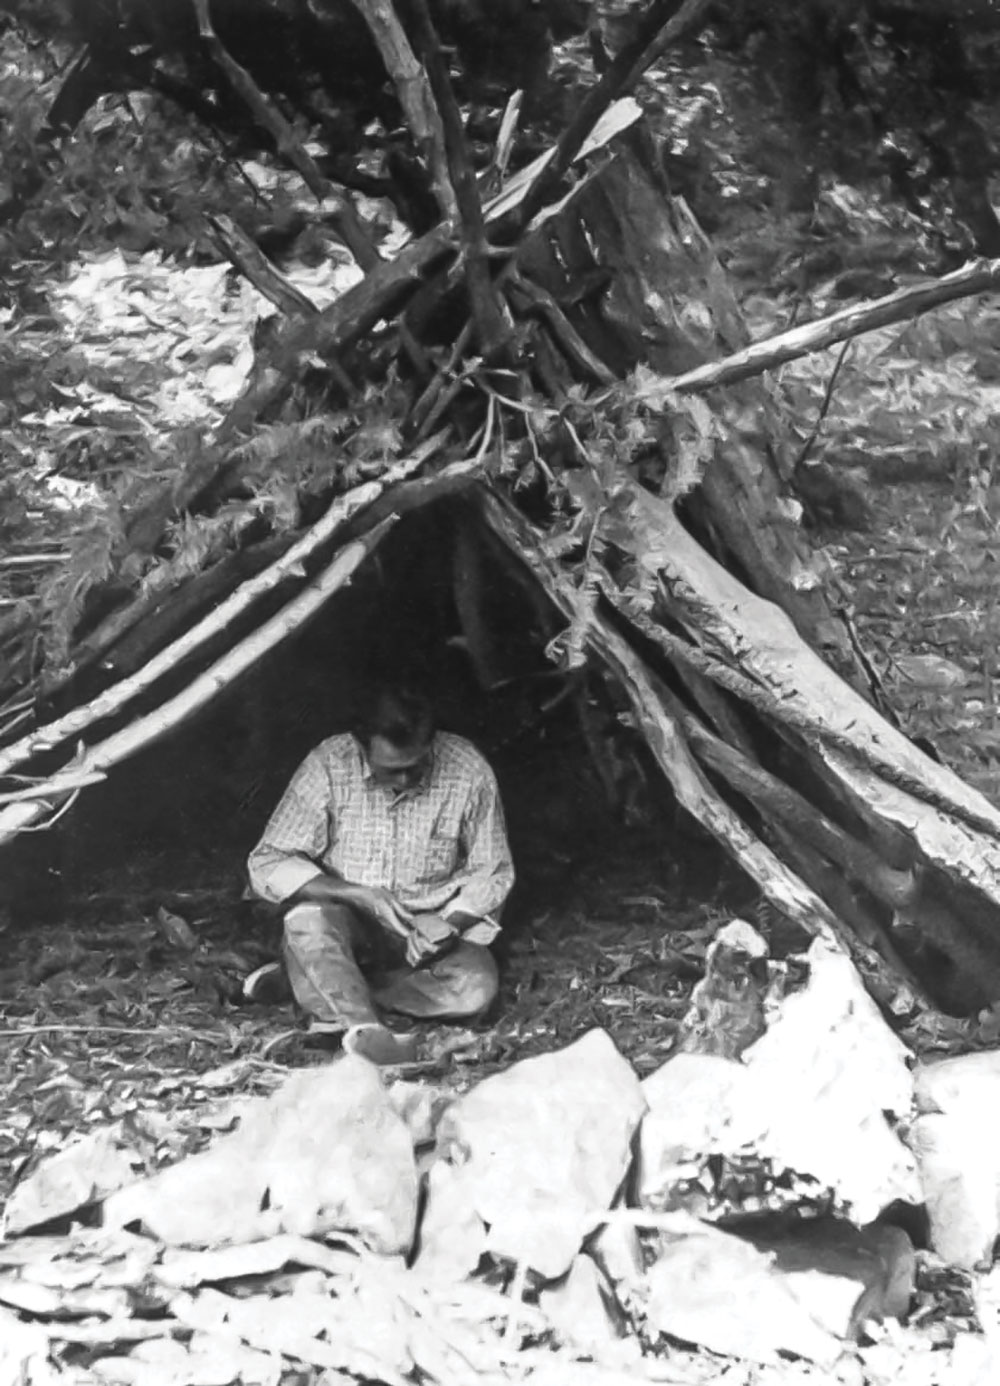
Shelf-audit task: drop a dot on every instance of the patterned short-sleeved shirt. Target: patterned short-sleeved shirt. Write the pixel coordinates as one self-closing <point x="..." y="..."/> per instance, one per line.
<point x="439" y="846"/>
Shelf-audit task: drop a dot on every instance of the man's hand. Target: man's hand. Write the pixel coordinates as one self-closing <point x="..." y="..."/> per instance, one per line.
<point x="382" y="906"/>
<point x="430" y="937"/>
<point x="374" y="901"/>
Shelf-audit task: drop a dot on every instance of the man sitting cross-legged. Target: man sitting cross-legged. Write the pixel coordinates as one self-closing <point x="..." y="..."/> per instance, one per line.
<point x="389" y="857"/>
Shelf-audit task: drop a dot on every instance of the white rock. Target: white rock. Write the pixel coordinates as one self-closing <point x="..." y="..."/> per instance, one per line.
<point x="325" y="1153"/>
<point x="24" y="1353"/>
<point x="699" y="1104"/>
<point x="811" y="1096"/>
<point x="957" y="1142"/>
<point x="452" y="1237"/>
<point x="543" y="1148"/>
<point x="716" y="1290"/>
<point x="845" y="1277"/>
<point x="89" y="1169"/>
<point x="968" y="1081"/>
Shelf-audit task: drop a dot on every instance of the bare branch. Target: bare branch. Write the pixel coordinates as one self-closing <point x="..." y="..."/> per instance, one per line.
<point x="662" y="24"/>
<point x="982" y="276"/>
<point x="19" y="817"/>
<point x="415" y="95"/>
<point x="492" y="326"/>
<point x="113" y="699"/>
<point x="346" y="221"/>
<point x="237" y="247"/>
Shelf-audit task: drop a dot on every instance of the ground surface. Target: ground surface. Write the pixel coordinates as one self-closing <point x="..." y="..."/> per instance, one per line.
<point x="114" y="1011"/>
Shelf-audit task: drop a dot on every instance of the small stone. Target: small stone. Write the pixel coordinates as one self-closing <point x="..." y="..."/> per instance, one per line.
<point x="726" y="1014"/>
<point x="452" y="1237"/>
<point x="420" y="1106"/>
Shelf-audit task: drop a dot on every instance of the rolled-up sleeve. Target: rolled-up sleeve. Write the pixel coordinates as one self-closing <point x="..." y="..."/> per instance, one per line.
<point x="487" y="873"/>
<point x="297" y="835"/>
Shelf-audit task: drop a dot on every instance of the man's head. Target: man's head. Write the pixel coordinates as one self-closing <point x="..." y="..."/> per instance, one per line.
<point x="395" y="725"/>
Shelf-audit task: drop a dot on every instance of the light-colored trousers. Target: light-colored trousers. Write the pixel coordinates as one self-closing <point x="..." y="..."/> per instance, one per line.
<point x="345" y="968"/>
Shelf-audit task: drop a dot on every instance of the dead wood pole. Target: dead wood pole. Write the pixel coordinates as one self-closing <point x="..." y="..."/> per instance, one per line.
<point x="493" y="330"/>
<point x="21" y="817"/>
<point x="776" y="800"/>
<point x="288" y="565"/>
<point x="850" y="929"/>
<point x="981" y="276"/>
<point x="346" y="221"/>
<point x="826" y="857"/>
<point x="666" y="742"/>
<point x="662" y="24"/>
<point x="235" y="245"/>
<point x="415" y="96"/>
<point x="184" y="597"/>
<point x="50" y="796"/>
<point x="783" y="716"/>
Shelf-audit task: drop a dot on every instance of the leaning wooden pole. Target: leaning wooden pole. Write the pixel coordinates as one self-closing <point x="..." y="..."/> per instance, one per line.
<point x="289" y="565"/>
<point x="983" y="276"/>
<point x="92" y="763"/>
<point x="663" y="734"/>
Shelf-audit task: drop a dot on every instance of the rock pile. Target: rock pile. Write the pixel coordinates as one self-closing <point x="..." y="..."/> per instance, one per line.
<point x="745" y="1200"/>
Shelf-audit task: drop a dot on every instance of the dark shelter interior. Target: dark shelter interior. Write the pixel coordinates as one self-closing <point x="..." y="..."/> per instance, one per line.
<point x="437" y="601"/>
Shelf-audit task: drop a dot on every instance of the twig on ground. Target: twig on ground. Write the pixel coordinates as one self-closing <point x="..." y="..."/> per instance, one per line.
<point x="40" y="788"/>
<point x="168" y="1031"/>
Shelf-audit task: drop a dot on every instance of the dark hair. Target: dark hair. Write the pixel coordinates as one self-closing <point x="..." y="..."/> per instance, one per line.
<point x="400" y="712"/>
